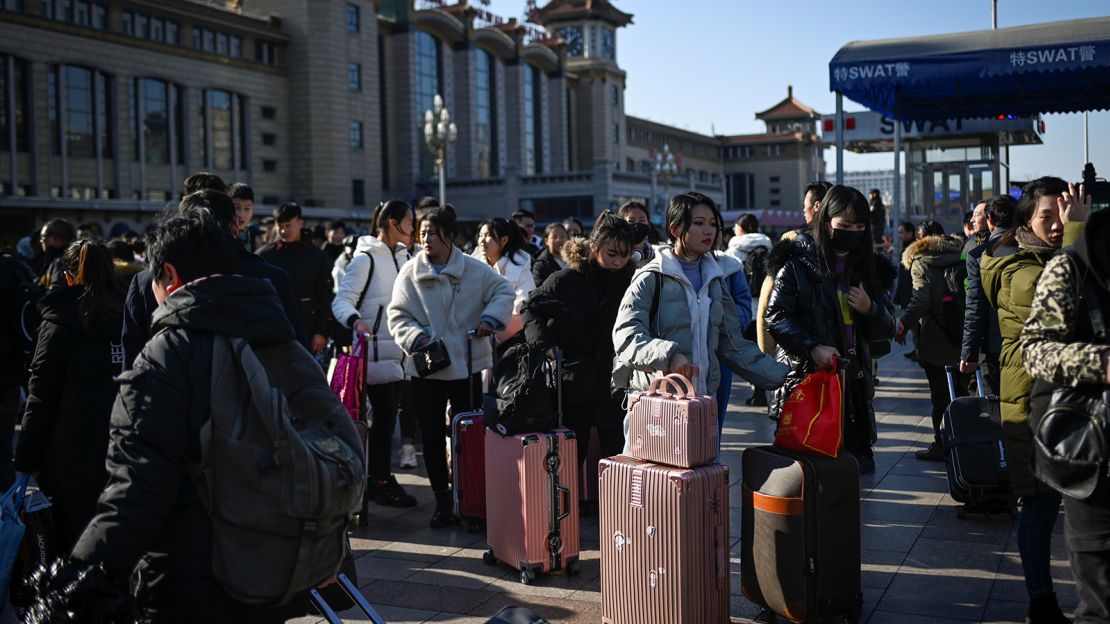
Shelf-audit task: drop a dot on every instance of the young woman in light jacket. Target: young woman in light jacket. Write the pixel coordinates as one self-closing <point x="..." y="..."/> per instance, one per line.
<point x="695" y="325"/>
<point x="500" y="245"/>
<point x="364" y="294"/>
<point x="442" y="294"/>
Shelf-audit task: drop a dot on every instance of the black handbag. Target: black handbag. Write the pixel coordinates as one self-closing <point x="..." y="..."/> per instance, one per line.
<point x="1071" y="429"/>
<point x="431" y="358"/>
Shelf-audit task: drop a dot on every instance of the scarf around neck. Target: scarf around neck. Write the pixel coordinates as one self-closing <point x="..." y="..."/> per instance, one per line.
<point x="1029" y="241"/>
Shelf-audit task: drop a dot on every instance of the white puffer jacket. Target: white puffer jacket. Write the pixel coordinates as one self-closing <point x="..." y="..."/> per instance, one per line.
<point x="384" y="359"/>
<point x="518" y="272"/>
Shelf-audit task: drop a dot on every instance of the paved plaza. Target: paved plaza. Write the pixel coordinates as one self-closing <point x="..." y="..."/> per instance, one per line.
<point x="920" y="563"/>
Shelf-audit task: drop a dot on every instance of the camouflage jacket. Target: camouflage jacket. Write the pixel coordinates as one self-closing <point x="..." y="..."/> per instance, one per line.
<point x="1052" y="350"/>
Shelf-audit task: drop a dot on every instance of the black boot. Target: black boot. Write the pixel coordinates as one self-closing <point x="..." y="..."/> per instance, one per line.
<point x="1045" y="611"/>
<point x="445" y="511"/>
<point x="391" y="494"/>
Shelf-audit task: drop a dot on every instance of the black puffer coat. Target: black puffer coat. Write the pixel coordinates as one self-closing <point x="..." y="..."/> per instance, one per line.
<point x="70" y="396"/>
<point x="543" y="266"/>
<point x="150" y="514"/>
<point x="575" y="309"/>
<point x="803" y="312"/>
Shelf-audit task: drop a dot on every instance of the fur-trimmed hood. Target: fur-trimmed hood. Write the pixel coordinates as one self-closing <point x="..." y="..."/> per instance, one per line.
<point x="932" y="249"/>
<point x="803" y="248"/>
<point x="576" y="253"/>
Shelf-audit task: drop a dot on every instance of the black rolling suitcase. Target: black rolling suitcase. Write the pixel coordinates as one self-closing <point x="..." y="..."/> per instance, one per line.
<point x="800" y="534"/>
<point x="975" y="454"/>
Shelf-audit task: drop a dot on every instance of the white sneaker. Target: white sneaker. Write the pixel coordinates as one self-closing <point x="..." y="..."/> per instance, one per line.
<point x="408" y="456"/>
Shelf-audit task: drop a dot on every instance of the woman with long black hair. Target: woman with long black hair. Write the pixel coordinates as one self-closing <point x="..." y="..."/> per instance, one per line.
<point x="501" y="246"/>
<point x="360" y="304"/>
<point x="831" y="297"/>
<point x="79" y="352"/>
<point x="678" y="315"/>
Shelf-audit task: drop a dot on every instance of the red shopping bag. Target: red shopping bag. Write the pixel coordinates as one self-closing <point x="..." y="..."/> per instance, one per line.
<point x="812" y="417"/>
<point x="347" y="377"/>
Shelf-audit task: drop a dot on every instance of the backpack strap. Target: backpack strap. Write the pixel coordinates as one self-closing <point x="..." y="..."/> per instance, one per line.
<point x="267" y="399"/>
<point x="654" y="311"/>
<point x="1088" y="295"/>
<point x="366" y="286"/>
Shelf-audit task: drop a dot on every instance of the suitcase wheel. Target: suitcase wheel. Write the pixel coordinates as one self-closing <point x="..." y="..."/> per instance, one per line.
<point x="526" y="577"/>
<point x="488" y="558"/>
<point x="574" y="568"/>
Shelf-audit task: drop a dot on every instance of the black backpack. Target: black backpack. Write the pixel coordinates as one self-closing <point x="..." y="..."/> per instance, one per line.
<point x="524" y="393"/>
<point x="24" y="310"/>
<point x="954" y="301"/>
<point x="755" y="269"/>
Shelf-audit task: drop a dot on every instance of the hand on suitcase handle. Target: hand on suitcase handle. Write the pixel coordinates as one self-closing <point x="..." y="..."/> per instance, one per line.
<point x="679" y="385"/>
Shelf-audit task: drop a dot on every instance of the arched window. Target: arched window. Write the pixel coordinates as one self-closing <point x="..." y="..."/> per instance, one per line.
<point x="533" y="118"/>
<point x="80" y="111"/>
<point x="485" y="113"/>
<point x="161" y="122"/>
<point x="429" y="82"/>
<point x="14" y="73"/>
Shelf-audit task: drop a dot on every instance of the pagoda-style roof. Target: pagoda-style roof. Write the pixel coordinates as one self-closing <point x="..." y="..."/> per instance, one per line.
<point x="566" y="10"/>
<point x="790" y="108"/>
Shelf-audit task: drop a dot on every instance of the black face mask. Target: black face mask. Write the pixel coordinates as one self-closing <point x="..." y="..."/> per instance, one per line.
<point x="847" y="240"/>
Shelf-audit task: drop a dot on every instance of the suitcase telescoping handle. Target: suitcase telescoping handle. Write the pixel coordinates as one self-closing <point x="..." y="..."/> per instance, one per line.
<point x="950" y="374"/>
<point x="559" y="385"/>
<point x="353" y="593"/>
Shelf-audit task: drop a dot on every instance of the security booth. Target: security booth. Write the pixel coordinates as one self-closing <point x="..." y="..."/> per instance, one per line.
<point x="951" y="164"/>
<point x="1056" y="67"/>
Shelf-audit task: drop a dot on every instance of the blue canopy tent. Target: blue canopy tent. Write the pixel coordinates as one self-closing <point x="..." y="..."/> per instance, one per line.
<point x="1057" y="67"/>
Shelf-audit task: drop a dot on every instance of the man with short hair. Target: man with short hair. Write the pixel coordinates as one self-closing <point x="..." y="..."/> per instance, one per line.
<point x="242" y="196"/>
<point x="969" y="229"/>
<point x="308" y="269"/>
<point x="979" y="227"/>
<point x="139" y="306"/>
<point x="56" y="236"/>
<point x="527" y="222"/>
<point x="151" y="516"/>
<point x="982" y="340"/>
<point x="334" y="233"/>
<point x="811" y="200"/>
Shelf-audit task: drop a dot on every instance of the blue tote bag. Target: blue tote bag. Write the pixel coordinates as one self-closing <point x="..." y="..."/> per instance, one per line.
<point x="11" y="530"/>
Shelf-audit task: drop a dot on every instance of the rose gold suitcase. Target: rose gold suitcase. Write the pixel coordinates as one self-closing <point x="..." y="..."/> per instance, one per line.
<point x="532" y="510"/>
<point x="670" y="424"/>
<point x="664" y="543"/>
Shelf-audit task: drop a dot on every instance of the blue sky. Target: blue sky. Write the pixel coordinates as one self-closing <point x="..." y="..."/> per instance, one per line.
<point x="703" y="64"/>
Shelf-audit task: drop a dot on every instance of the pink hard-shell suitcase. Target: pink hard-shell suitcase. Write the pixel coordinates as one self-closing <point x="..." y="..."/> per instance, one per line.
<point x="664" y="535"/>
<point x="671" y="424"/>
<point x="532" y="523"/>
<point x="468" y="464"/>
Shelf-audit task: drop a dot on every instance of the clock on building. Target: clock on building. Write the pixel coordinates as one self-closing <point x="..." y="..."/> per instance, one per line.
<point x="573" y="36"/>
<point x="607" y="47"/>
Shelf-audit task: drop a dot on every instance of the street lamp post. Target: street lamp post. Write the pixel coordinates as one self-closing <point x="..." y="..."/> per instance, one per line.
<point x="665" y="168"/>
<point x="439" y="131"/>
